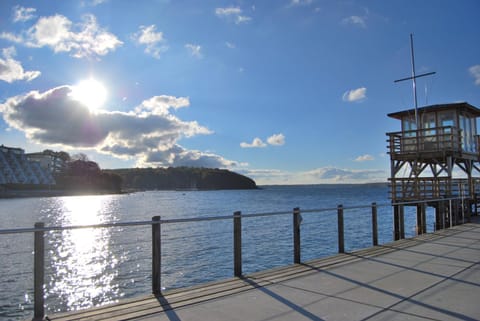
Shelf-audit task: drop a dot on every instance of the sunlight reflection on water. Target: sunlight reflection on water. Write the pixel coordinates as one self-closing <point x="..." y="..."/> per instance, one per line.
<point x="91" y="267"/>
<point x="83" y="267"/>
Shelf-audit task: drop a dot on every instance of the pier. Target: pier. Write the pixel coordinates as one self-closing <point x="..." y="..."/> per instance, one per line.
<point x="353" y="285"/>
<point x="430" y="277"/>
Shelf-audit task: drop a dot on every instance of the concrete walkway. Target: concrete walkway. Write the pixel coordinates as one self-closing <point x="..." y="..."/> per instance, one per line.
<point x="431" y="277"/>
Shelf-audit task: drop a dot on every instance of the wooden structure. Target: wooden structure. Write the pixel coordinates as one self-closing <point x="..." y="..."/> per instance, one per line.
<point x="435" y="156"/>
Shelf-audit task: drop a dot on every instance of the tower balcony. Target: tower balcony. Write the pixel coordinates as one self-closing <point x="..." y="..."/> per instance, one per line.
<point x="429" y="144"/>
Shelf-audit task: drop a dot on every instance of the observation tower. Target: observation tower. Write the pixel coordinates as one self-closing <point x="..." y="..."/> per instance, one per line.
<point x="435" y="161"/>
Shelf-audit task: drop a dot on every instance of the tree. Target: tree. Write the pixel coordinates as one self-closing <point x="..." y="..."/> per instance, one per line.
<point x="80" y="156"/>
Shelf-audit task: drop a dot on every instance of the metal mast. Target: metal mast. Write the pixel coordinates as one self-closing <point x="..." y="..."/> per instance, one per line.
<point x="413" y="78"/>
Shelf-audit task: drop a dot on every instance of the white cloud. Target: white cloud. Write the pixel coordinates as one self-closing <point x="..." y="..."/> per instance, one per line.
<point x="12" y="37"/>
<point x="221" y="12"/>
<point x="356" y="21"/>
<point x="154" y="41"/>
<point x="355" y="95"/>
<point x="276" y="139"/>
<point x="230" y="45"/>
<point x="22" y="14"/>
<point x="475" y="72"/>
<point x="93" y="3"/>
<point x="294" y="3"/>
<point x="363" y="158"/>
<point x="242" y="19"/>
<point x="149" y="133"/>
<point x="61" y="35"/>
<point x="232" y="14"/>
<point x="12" y="70"/>
<point x="256" y="143"/>
<point x="194" y="50"/>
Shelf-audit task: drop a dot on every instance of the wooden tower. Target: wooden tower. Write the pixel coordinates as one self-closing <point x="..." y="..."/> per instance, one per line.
<point x="435" y="156"/>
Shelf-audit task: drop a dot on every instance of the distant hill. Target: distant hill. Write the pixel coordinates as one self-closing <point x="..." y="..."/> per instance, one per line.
<point x="181" y="178"/>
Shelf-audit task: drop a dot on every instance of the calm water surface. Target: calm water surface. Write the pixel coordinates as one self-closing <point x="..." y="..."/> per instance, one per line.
<point x="89" y="267"/>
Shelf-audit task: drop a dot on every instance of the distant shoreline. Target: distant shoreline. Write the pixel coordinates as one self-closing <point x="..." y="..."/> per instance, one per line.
<point x="19" y="193"/>
<point x="49" y="193"/>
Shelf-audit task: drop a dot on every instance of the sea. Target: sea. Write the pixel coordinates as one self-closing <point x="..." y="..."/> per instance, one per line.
<point x="97" y="266"/>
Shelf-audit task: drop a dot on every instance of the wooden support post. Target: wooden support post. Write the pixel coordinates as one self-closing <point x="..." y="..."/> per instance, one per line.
<point x="419" y="219"/>
<point x="39" y="272"/>
<point x="402" y="221"/>
<point x="475" y="200"/>
<point x="439" y="212"/>
<point x="341" y="240"/>
<point x="296" y="236"/>
<point x="424" y="218"/>
<point x="156" y="256"/>
<point x="237" y="244"/>
<point x="454" y="215"/>
<point x="374" y="224"/>
<point x="450" y="213"/>
<point x="468" y="213"/>
<point x="396" y="222"/>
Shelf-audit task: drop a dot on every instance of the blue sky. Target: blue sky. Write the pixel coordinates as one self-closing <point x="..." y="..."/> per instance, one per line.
<point x="286" y="92"/>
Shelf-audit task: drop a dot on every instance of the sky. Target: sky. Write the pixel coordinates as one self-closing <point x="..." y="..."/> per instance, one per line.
<point x="284" y="91"/>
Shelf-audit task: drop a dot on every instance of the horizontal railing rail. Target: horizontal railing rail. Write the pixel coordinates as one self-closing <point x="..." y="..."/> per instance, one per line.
<point x="39" y="230"/>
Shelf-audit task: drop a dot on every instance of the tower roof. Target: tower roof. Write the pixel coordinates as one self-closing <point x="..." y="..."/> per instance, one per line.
<point x="462" y="106"/>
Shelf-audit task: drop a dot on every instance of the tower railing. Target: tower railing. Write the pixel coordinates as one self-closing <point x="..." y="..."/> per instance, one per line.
<point x="447" y="139"/>
<point x="429" y="188"/>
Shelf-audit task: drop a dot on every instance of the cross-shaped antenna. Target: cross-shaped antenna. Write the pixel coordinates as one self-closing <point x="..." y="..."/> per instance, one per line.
<point x="414" y="77"/>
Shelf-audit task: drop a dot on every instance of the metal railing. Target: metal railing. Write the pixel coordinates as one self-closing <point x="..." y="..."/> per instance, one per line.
<point x="39" y="230"/>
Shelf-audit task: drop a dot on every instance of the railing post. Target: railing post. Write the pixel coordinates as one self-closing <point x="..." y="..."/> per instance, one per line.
<point x="296" y="235"/>
<point x="156" y="256"/>
<point x="237" y="244"/>
<point x="374" y="224"/>
<point x="341" y="241"/>
<point x="39" y="271"/>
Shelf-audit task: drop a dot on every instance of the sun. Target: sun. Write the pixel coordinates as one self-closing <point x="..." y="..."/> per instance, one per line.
<point x="90" y="92"/>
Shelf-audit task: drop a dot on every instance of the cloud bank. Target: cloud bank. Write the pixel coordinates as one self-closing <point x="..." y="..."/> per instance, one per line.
<point x="324" y="175"/>
<point x="150" y="133"/>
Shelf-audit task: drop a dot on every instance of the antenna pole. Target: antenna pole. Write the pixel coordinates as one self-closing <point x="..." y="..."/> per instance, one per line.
<point x="414" y="77"/>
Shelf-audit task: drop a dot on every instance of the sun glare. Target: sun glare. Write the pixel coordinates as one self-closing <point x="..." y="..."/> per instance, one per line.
<point x="90" y="92"/>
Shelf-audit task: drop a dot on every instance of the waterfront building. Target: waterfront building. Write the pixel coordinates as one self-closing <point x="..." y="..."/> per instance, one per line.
<point x="18" y="169"/>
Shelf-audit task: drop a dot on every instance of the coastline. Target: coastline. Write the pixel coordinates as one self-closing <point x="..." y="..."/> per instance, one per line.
<point x="4" y="194"/>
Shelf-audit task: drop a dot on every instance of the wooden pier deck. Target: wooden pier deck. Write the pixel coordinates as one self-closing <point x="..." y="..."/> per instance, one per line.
<point x="430" y="277"/>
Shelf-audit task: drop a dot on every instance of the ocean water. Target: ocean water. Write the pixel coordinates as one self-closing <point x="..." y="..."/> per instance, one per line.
<point x="90" y="267"/>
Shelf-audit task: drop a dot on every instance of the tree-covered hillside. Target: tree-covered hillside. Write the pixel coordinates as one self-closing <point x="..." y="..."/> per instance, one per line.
<point x="174" y="178"/>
